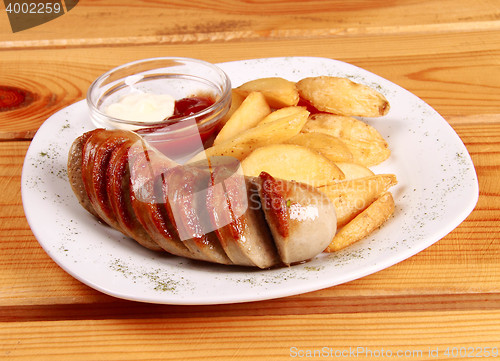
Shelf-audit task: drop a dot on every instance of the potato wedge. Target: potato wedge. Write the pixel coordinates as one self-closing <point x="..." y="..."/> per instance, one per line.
<point x="354" y="170"/>
<point x="283" y="112"/>
<point x="363" y="224"/>
<point x="342" y="96"/>
<point x="279" y="92"/>
<point x="331" y="147"/>
<point x="236" y="100"/>
<point x="366" y="144"/>
<point x="292" y="162"/>
<point x="351" y="197"/>
<point x="243" y="144"/>
<point x="251" y="111"/>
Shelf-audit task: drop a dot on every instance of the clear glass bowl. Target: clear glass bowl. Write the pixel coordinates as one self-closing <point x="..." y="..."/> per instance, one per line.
<point x="178" y="138"/>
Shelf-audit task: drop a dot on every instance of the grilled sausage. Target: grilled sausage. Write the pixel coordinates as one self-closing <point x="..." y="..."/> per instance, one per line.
<point x="203" y="211"/>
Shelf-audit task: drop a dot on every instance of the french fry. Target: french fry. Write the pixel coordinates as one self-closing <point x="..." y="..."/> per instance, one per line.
<point x="351" y="197"/>
<point x="251" y="111"/>
<point x="236" y="100"/>
<point x="243" y="144"/>
<point x="342" y="96"/>
<point x="283" y="112"/>
<point x="331" y="147"/>
<point x="354" y="170"/>
<point x="292" y="162"/>
<point x="363" y="224"/>
<point x="329" y="151"/>
<point x="366" y="144"/>
<point x="279" y="92"/>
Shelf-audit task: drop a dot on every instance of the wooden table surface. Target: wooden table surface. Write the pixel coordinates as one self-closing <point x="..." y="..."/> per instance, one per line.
<point x="447" y="297"/>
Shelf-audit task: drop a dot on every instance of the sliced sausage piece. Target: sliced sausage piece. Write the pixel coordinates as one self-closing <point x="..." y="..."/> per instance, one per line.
<point x="185" y="190"/>
<point x="224" y="222"/>
<point x="234" y="205"/>
<point x="96" y="154"/>
<point x="148" y="201"/>
<point x="302" y="219"/>
<point x="118" y="189"/>
<point x="75" y="162"/>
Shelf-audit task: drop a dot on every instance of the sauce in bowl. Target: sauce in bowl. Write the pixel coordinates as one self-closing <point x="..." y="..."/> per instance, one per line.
<point x="178" y="137"/>
<point x="192" y="105"/>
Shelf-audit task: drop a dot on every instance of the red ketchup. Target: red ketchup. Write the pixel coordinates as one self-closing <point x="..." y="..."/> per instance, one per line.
<point x="190" y="106"/>
<point x="183" y="138"/>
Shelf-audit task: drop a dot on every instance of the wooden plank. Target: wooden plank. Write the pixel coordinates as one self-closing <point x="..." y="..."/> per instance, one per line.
<point x="311" y="304"/>
<point x="473" y="119"/>
<point x="101" y="23"/>
<point x="411" y="335"/>
<point x="436" y="68"/>
<point x="465" y="261"/>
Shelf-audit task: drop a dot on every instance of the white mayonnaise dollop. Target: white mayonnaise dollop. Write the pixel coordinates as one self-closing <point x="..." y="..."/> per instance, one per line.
<point x="142" y="107"/>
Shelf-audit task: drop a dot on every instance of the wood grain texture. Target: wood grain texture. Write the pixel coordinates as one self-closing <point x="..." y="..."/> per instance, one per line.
<point x="311" y="304"/>
<point x="248" y="338"/>
<point x="171" y="22"/>
<point x="436" y="68"/>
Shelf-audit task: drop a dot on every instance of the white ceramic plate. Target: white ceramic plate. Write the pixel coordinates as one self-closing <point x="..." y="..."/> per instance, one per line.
<point x="437" y="190"/>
